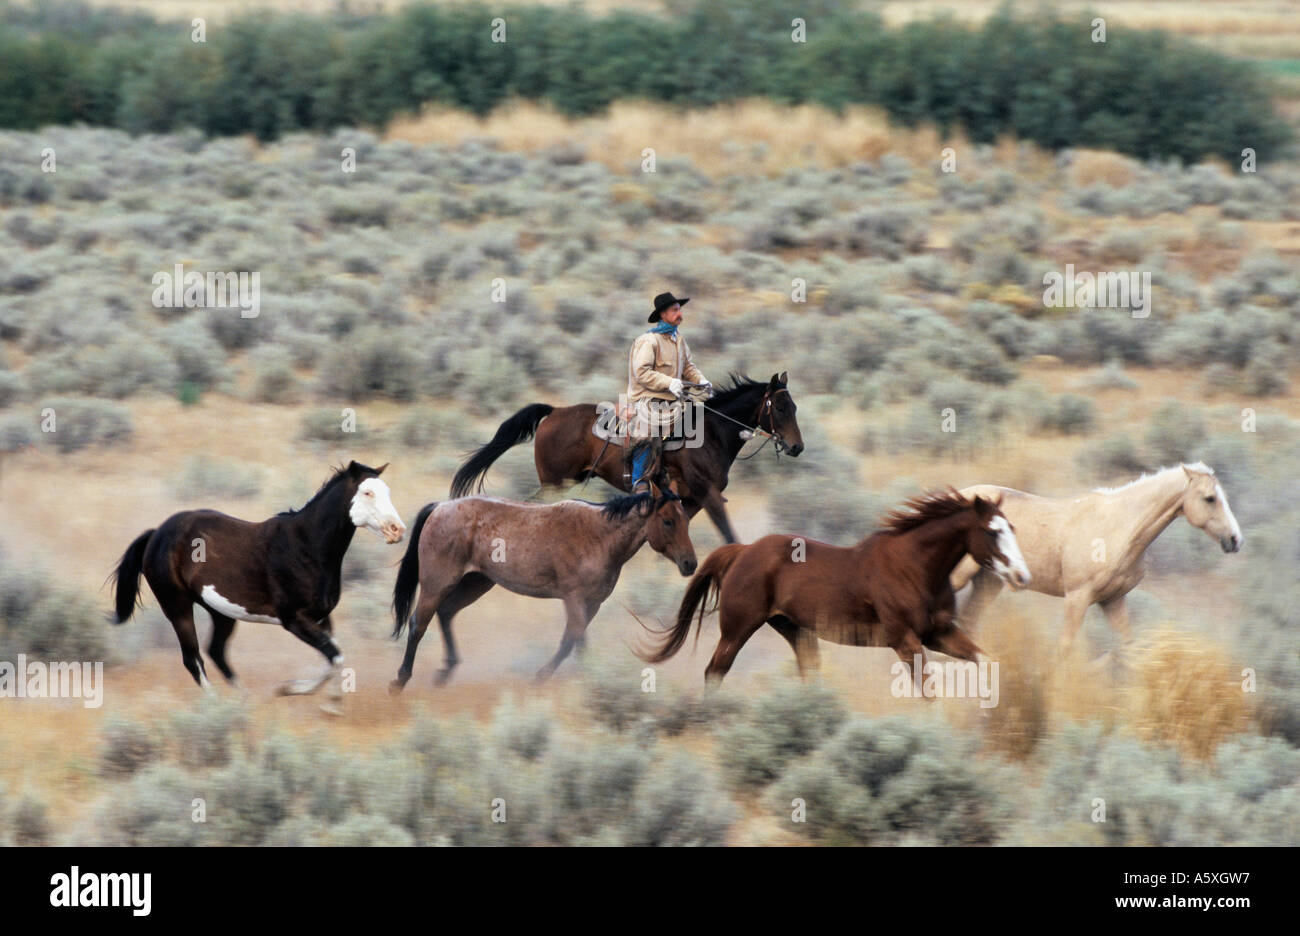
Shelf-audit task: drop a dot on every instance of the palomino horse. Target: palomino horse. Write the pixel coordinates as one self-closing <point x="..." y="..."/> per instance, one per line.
<point x="285" y="570"/>
<point x="572" y="550"/>
<point x="566" y="450"/>
<point x="890" y="590"/>
<point x="1091" y="549"/>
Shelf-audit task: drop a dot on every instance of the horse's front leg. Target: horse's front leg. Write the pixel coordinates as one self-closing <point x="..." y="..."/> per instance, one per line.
<point x="1116" y="611"/>
<point x="1076" y="606"/>
<point x="303" y="625"/>
<point x="904" y="641"/>
<point x="575" y="626"/>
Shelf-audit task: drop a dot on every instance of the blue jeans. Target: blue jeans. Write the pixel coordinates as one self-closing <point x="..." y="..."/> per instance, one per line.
<point x="640" y="462"/>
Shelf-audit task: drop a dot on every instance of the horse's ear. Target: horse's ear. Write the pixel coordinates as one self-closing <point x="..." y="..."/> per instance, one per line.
<point x="646" y="508"/>
<point x="354" y="469"/>
<point x="785" y="377"/>
<point x="996" y="499"/>
<point x="982" y="507"/>
<point x="380" y="469"/>
<point x="775" y="382"/>
<point x="672" y="486"/>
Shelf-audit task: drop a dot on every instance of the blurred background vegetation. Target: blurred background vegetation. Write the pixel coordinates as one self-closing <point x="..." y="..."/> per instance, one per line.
<point x="923" y="292"/>
<point x="1030" y="72"/>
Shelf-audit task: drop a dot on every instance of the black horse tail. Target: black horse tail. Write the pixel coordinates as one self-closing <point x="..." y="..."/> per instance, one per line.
<point x="126" y="577"/>
<point x="708" y="578"/>
<point x="518" y="428"/>
<point x="408" y="574"/>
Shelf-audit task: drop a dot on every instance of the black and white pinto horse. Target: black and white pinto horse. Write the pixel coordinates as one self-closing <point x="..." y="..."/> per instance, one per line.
<point x="285" y="570"/>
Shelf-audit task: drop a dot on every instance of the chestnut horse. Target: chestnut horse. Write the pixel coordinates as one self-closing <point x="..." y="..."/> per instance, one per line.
<point x="566" y="450"/>
<point x="572" y="550"/>
<point x="890" y="590"/>
<point x="286" y="570"/>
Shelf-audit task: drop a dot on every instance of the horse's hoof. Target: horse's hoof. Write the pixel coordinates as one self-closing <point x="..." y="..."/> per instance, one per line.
<point x="441" y="677"/>
<point x="296" y="687"/>
<point x="395" y="687"/>
<point x="332" y="708"/>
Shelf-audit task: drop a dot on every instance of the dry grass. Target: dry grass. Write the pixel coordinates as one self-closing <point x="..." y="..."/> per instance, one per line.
<point x="1178" y="687"/>
<point x="748" y="137"/>
<point x="1093" y="166"/>
<point x="1186" y="691"/>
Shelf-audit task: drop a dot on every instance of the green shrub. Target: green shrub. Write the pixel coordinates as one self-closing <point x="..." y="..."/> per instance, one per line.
<point x="78" y="424"/>
<point x="47" y="619"/>
<point x="30" y="821"/>
<point x="882" y="781"/>
<point x="128" y="746"/>
<point x="1113" y="459"/>
<point x="204" y="476"/>
<point x="207" y="734"/>
<point x="1067" y="414"/>
<point x="786" y="722"/>
<point x="1175" y="434"/>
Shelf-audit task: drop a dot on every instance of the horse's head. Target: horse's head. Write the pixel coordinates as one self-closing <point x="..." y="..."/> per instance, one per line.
<point x="776" y="415"/>
<point x="991" y="541"/>
<point x="668" y="527"/>
<point x="372" y="503"/>
<point x="1206" y="507"/>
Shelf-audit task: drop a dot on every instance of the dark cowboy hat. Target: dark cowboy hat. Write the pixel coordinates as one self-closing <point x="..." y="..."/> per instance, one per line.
<point x="663" y="301"/>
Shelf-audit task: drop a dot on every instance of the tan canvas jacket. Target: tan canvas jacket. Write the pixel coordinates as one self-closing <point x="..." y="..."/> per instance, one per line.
<point x="654" y="361"/>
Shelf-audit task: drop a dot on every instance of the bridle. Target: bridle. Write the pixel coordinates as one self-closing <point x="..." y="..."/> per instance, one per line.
<point x="770" y="434"/>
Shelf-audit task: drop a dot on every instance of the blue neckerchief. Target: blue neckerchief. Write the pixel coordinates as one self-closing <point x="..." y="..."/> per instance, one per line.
<point x="663" y="328"/>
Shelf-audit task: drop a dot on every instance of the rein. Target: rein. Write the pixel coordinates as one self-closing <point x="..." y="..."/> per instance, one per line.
<point x="768" y="435"/>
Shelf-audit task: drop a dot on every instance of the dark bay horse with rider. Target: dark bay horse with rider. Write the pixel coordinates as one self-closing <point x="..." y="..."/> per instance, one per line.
<point x="662" y="380"/>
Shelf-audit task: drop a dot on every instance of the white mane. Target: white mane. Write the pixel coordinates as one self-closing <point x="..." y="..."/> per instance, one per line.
<point x="1199" y="467"/>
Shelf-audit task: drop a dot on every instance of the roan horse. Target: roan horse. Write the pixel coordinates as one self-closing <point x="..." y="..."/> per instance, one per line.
<point x="285" y="570"/>
<point x="1091" y="549"/>
<point x="572" y="550"/>
<point x="890" y="590"/>
<point x="566" y="450"/>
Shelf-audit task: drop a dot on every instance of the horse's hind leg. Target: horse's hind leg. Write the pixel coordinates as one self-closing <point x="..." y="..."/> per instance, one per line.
<point x="222" y="628"/>
<point x="425" y="608"/>
<point x="181" y="613"/>
<point x="469" y="590"/>
<point x="803" y="642"/>
<point x="736" y="631"/>
<point x="713" y="506"/>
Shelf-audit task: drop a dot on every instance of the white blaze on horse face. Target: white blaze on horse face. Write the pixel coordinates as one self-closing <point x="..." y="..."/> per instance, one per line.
<point x="1232" y="540"/>
<point x="1014" y="571"/>
<point x="372" y="508"/>
<point x="213" y="599"/>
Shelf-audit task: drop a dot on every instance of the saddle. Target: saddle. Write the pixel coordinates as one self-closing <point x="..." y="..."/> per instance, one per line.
<point x="614" y="427"/>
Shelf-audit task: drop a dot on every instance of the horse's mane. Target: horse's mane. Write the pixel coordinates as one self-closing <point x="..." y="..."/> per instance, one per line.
<point x="739" y="386"/>
<point x="338" y="474"/>
<point x="919" y="510"/>
<point x="619" y="507"/>
<point x="1200" y="467"/>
